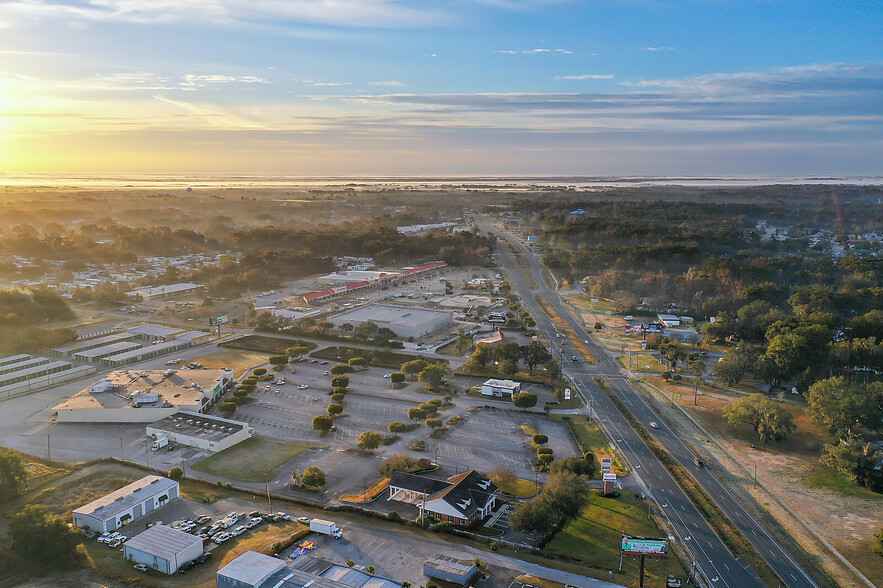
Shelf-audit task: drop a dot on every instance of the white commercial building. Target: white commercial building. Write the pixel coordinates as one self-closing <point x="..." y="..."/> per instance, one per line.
<point x="355" y="276"/>
<point x="128" y="504"/>
<point x="202" y="431"/>
<point x="154" y="332"/>
<point x="669" y="320"/>
<point x="144" y="396"/>
<point x="143" y="353"/>
<point x="404" y="321"/>
<point x="162" y="548"/>
<point x="106" y="350"/>
<point x="167" y="291"/>
<point x="500" y="388"/>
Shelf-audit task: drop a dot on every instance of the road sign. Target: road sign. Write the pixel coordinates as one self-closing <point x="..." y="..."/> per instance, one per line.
<point x="644" y="546"/>
<point x="606" y="465"/>
<point x="218" y="320"/>
<point x="567" y="394"/>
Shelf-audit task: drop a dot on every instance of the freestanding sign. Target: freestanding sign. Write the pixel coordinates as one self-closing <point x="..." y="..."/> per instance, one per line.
<point x="642" y="547"/>
<point x="606" y="465"/>
<point x="609" y="483"/>
<point x="218" y="320"/>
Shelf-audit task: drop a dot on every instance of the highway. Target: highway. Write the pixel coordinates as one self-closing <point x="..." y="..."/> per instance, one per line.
<point x="708" y="553"/>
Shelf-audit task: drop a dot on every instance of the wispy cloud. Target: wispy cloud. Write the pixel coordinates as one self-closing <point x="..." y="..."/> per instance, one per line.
<point x="534" y="51"/>
<point x="586" y="77"/>
<point x="317" y="84"/>
<point x="201" y="81"/>
<point x="387" y="83"/>
<point x="658" y="48"/>
<point x="350" y="13"/>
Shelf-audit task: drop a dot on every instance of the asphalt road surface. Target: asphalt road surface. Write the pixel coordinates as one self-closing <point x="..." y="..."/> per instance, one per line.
<point x="708" y="554"/>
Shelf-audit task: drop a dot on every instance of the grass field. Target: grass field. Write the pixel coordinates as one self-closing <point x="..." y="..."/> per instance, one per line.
<point x="594" y="537"/>
<point x="827" y="479"/>
<point x="239" y="360"/>
<point x="265" y="344"/>
<point x="591" y="438"/>
<point x="253" y="460"/>
<point x="369" y="494"/>
<point x="520" y="488"/>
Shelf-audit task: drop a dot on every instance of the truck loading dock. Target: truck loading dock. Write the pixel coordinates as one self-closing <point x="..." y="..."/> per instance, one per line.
<point x="202" y="431"/>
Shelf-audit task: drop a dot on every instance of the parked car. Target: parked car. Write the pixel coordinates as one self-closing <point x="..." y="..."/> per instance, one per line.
<point x="238" y="531"/>
<point x="221" y="537"/>
<point x="203" y="558"/>
<point x="186" y="567"/>
<point x="104" y="538"/>
<point x="255" y="522"/>
<point x="203" y="519"/>
<point x="140" y="568"/>
<point x="302" y="387"/>
<point x="284" y="516"/>
<point x="314" y="361"/>
<point x="324" y="373"/>
<point x="303" y="520"/>
<point x="255" y="513"/>
<point x="387" y="376"/>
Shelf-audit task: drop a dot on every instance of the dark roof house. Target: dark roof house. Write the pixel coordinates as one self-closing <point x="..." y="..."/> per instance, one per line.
<point x="461" y="499"/>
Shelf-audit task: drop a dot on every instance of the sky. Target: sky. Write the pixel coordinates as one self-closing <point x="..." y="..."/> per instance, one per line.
<point x="442" y="87"/>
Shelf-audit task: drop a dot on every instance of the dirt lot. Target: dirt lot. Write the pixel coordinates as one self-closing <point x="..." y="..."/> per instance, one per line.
<point x="846" y="520"/>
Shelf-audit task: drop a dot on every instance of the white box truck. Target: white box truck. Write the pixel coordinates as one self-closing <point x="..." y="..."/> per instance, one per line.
<point x="159" y="443"/>
<point x="325" y="528"/>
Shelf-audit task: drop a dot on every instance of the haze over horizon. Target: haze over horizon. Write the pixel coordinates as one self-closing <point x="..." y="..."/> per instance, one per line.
<point x="413" y="88"/>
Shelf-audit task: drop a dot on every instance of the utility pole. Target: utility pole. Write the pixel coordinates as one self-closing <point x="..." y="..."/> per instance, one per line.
<point x="269" y="502"/>
<point x="48" y="447"/>
<point x="755" y="475"/>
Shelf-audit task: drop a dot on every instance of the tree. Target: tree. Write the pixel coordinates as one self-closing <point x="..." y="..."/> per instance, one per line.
<point x="340" y="381"/>
<point x="399" y="462"/>
<point x="341" y="368"/>
<point x="358" y="362"/>
<point x="335" y="409"/>
<point x="507" y="367"/>
<point x="565" y="493"/>
<point x="278" y="360"/>
<point x="365" y="331"/>
<point x="841" y="406"/>
<point x="598" y="325"/>
<point x="370" y="440"/>
<point x="259" y="371"/>
<point x="502" y="476"/>
<point x="296" y="351"/>
<point x="417" y="414"/>
<point x="339" y="390"/>
<point x="534" y="516"/>
<point x="384" y="336"/>
<point x="770" y="421"/>
<point x="464" y="339"/>
<point x="337" y="397"/>
<point x="429" y="407"/>
<point x="481" y="356"/>
<point x="433" y="376"/>
<point x="878" y="543"/>
<point x="697" y="368"/>
<point x="176" y="473"/>
<point x="397" y="427"/>
<point x="857" y="460"/>
<point x="228" y="408"/>
<point x="13" y="476"/>
<point x="540" y="439"/>
<point x="322" y="423"/>
<point x="524" y="400"/>
<point x="535" y="355"/>
<point x="44" y="538"/>
<point x="433" y="423"/>
<point x="582" y="466"/>
<point x="397" y="377"/>
<point x="545" y="458"/>
<point x="313" y="477"/>
<point x="553" y="369"/>
<point x="414" y="367"/>
<point x="508" y="352"/>
<point x="346" y="328"/>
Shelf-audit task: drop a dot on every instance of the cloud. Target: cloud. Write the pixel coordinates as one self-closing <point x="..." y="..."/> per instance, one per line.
<point x="317" y="84"/>
<point x="388" y="83"/>
<point x="586" y="77"/>
<point x="192" y="81"/>
<point x="348" y="13"/>
<point x="658" y="48"/>
<point x="533" y="51"/>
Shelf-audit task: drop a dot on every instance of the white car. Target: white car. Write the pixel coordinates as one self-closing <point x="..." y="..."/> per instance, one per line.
<point x="255" y="522"/>
<point x="221" y="537"/>
<point x="283" y="516"/>
<point x="105" y="537"/>
<point x="302" y="387"/>
<point x="238" y="530"/>
<point x="278" y="391"/>
<point x="654" y="425"/>
<point x="387" y="376"/>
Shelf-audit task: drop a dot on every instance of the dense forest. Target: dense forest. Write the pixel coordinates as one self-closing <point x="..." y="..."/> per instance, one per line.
<point x="22" y="313"/>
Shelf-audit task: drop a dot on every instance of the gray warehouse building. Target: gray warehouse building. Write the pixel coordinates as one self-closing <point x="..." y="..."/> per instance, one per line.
<point x="162" y="548"/>
<point x="442" y="567"/>
<point x="256" y="570"/>
<point x="404" y="321"/>
<point x="129" y="503"/>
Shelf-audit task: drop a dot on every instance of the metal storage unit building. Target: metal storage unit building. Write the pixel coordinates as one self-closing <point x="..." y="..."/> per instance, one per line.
<point x="162" y="548"/>
<point x="129" y="503"/>
<point x="442" y="567"/>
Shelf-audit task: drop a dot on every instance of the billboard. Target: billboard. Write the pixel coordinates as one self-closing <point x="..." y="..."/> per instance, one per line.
<point x="644" y="546"/>
<point x="218" y="320"/>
